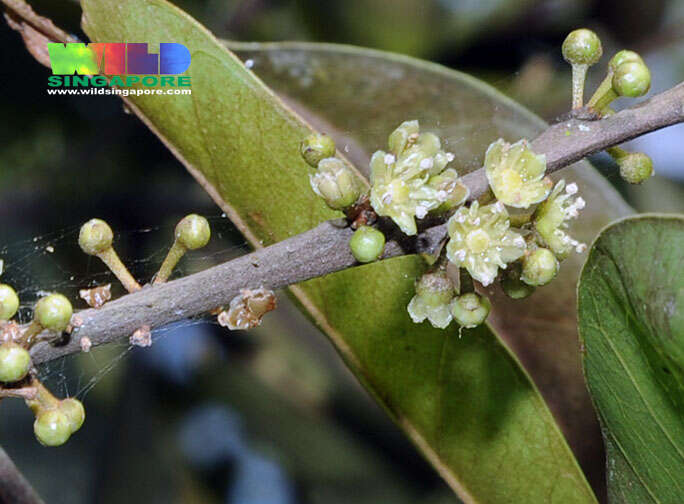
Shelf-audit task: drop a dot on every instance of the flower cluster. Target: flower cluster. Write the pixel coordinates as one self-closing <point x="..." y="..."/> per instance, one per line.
<point x="55" y="419"/>
<point x="522" y="249"/>
<point x="412" y="180"/>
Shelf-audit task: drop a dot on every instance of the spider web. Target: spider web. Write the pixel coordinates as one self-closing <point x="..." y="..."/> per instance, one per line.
<point x="53" y="262"/>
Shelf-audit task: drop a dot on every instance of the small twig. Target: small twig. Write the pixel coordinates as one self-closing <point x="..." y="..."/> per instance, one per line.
<point x="14" y="488"/>
<point x="324" y="249"/>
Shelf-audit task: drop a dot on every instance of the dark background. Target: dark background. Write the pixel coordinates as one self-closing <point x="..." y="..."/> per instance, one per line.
<point x="270" y="416"/>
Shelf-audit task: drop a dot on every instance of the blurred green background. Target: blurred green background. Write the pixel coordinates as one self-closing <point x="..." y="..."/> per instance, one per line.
<point x="270" y="416"/>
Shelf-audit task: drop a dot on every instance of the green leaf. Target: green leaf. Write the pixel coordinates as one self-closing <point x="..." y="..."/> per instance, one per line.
<point x="360" y="95"/>
<point x="463" y="399"/>
<point x="631" y="315"/>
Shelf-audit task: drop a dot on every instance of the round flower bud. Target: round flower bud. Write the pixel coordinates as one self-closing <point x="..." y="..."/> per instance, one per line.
<point x="52" y="427"/>
<point x="9" y="302"/>
<point x="53" y="312"/>
<point x="582" y="47"/>
<point x="193" y="231"/>
<point x="316" y="147"/>
<point x="635" y="167"/>
<point x="96" y="236"/>
<point x="623" y="56"/>
<point x="367" y="244"/>
<point x="75" y="412"/>
<point x="470" y="310"/>
<point x="513" y="286"/>
<point x="632" y="79"/>
<point x="15" y="362"/>
<point x="539" y="267"/>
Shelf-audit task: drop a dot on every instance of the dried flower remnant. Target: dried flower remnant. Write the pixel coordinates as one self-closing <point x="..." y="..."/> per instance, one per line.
<point x="411" y="180"/>
<point x="142" y="337"/>
<point x="85" y="343"/>
<point x="552" y="216"/>
<point x="97" y="296"/>
<point x="10" y="331"/>
<point x="516" y="174"/>
<point x="247" y="309"/>
<point x="481" y="241"/>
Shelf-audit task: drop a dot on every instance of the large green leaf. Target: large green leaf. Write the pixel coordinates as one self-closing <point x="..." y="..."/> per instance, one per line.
<point x="465" y="401"/>
<point x="631" y="315"/>
<point x="359" y="95"/>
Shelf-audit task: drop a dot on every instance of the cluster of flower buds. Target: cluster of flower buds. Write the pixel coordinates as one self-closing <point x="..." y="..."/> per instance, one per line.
<point x="438" y="300"/>
<point x="56" y="420"/>
<point x="412" y="179"/>
<point x="96" y="237"/>
<point x="523" y="250"/>
<point x="627" y="76"/>
<point x="333" y="180"/>
<point x="339" y="187"/>
<point x="484" y="245"/>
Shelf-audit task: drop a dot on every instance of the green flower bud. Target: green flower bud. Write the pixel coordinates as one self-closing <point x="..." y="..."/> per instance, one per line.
<point x="434" y="292"/>
<point x="53" y="312"/>
<point x="367" y="244"/>
<point x="632" y="79"/>
<point x="15" y="362"/>
<point x="193" y="231"/>
<point x="95" y="237"/>
<point x="316" y="147"/>
<point x="335" y="183"/>
<point x="470" y="310"/>
<point x="512" y="285"/>
<point x="623" y="56"/>
<point x="539" y="267"/>
<point x="635" y="167"/>
<point x="52" y="427"/>
<point x="9" y="302"/>
<point x="582" y="47"/>
<point x="75" y="412"/>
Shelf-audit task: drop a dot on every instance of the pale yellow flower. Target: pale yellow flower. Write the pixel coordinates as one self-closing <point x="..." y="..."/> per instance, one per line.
<point x="516" y="174"/>
<point x="481" y="240"/>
